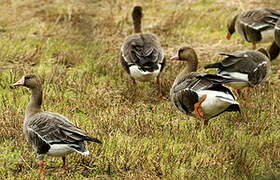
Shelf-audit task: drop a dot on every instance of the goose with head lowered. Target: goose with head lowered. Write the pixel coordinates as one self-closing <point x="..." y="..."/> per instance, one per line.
<point x="198" y="94"/>
<point x="50" y="133"/>
<point x="255" y="25"/>
<point x="142" y="56"/>
<point x="252" y="66"/>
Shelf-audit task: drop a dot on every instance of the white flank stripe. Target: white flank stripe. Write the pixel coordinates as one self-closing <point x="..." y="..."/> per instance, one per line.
<point x="60" y="150"/>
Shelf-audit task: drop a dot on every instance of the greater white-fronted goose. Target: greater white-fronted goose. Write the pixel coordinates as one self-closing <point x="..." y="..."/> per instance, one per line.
<point x="198" y="94"/>
<point x="255" y="25"/>
<point x="141" y="54"/>
<point x="252" y="66"/>
<point x="49" y="133"/>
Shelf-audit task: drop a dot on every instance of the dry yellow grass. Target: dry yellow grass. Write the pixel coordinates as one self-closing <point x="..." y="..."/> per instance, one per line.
<point x="74" y="47"/>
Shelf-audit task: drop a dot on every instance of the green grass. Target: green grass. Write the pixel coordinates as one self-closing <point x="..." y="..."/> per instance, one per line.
<point x="74" y="47"/>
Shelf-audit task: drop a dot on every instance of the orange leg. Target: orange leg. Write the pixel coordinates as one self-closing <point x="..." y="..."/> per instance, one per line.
<point x="198" y="109"/>
<point x="41" y="164"/>
<point x="254" y="46"/>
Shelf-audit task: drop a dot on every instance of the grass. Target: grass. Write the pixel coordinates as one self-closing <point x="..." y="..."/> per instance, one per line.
<point x="74" y="47"/>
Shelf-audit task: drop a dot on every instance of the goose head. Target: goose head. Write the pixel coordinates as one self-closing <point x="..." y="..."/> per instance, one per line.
<point x="30" y="81"/>
<point x="231" y="27"/>
<point x="188" y="55"/>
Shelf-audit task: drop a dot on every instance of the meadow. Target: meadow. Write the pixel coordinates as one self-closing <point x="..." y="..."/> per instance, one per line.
<point x="74" y="47"/>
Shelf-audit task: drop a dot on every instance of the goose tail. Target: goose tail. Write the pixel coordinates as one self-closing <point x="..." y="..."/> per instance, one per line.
<point x="92" y="139"/>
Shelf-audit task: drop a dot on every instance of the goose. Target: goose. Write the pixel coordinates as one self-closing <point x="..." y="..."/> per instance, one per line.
<point x="199" y="94"/>
<point x="49" y="133"/>
<point x="255" y="25"/>
<point x="252" y="66"/>
<point x="142" y="56"/>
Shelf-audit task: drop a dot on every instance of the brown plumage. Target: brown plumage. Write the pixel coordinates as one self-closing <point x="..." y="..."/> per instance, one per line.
<point x="142" y="56"/>
<point x="199" y="94"/>
<point x="254" y="25"/>
<point x="49" y="133"/>
<point x="252" y="66"/>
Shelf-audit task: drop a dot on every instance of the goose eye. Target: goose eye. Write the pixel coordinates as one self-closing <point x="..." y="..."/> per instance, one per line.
<point x="27" y="77"/>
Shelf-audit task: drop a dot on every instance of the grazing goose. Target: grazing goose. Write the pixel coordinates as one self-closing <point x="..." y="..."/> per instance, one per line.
<point x="49" y="133"/>
<point x="141" y="54"/>
<point x="199" y="94"/>
<point x="255" y="25"/>
<point x="253" y="66"/>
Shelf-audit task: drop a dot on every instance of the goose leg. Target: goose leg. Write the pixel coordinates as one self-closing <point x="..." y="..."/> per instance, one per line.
<point x="64" y="165"/>
<point x="238" y="91"/>
<point x="254" y="46"/>
<point x="41" y="164"/>
<point x="133" y="82"/>
<point x="158" y="84"/>
<point x="198" y="109"/>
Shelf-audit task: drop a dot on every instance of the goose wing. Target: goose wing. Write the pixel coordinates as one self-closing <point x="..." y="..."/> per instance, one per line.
<point x="260" y="19"/>
<point x="143" y="50"/>
<point x="243" y="61"/>
<point x="184" y="91"/>
<point x="45" y="129"/>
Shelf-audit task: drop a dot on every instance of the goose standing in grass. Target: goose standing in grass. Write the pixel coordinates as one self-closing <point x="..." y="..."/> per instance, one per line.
<point x="141" y="54"/>
<point x="49" y="133"/>
<point x="199" y="94"/>
<point x="252" y="66"/>
<point x="255" y="25"/>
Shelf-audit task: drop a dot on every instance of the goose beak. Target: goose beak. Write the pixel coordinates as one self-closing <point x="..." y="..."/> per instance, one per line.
<point x="174" y="58"/>
<point x="19" y="82"/>
<point x="228" y="36"/>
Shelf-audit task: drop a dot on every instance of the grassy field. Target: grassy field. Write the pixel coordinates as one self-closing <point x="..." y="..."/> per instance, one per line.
<point x="74" y="47"/>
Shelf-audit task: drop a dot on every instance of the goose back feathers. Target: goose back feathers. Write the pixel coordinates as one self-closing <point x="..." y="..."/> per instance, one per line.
<point x="255" y="25"/>
<point x="53" y="134"/>
<point x="186" y="92"/>
<point x="251" y="66"/>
